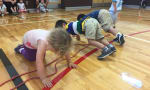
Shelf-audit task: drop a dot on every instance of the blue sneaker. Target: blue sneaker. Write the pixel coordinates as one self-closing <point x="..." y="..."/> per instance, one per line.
<point x="105" y="53"/>
<point x="113" y="49"/>
<point x="18" y="48"/>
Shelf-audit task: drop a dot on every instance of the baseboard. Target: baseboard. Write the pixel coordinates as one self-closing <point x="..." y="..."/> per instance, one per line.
<point x="77" y="8"/>
<point x="33" y="10"/>
<point x="101" y="5"/>
<point x="52" y="6"/>
<point x="135" y="7"/>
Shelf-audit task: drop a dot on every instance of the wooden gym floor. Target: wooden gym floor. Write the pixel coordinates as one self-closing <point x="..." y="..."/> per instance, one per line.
<point x="91" y="74"/>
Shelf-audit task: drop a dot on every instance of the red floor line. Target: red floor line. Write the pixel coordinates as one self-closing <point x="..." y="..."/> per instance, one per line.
<point x="139" y="32"/>
<point x="63" y="73"/>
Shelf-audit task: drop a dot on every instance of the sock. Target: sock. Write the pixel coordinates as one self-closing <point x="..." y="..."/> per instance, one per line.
<point x="110" y="46"/>
<point x="118" y="34"/>
<point x="20" y="50"/>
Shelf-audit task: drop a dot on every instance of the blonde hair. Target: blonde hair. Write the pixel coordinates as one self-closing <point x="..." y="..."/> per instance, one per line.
<point x="60" y="40"/>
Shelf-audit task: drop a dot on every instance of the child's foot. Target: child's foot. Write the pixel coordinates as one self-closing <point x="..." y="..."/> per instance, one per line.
<point x="113" y="49"/>
<point x="120" y="39"/>
<point x="22" y="17"/>
<point x="105" y="53"/>
<point x="18" y="48"/>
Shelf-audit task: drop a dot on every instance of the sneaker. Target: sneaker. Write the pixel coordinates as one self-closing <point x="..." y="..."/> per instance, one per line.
<point x="105" y="53"/>
<point x="18" y="48"/>
<point x="113" y="49"/>
<point x="120" y="39"/>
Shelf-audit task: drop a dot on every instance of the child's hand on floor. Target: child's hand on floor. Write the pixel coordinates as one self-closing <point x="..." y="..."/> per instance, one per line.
<point x="78" y="37"/>
<point x="72" y="65"/>
<point x="47" y="82"/>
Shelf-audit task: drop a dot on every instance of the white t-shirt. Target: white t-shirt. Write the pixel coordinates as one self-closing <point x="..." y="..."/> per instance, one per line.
<point x="118" y="5"/>
<point x="41" y="5"/>
<point x="21" y="5"/>
<point x="31" y="37"/>
<point x="2" y="8"/>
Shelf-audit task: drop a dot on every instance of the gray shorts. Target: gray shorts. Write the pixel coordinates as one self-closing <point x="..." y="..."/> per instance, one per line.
<point x="92" y="29"/>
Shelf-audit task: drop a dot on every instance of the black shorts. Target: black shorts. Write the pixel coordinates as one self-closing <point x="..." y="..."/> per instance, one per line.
<point x="14" y="5"/>
<point x="8" y="5"/>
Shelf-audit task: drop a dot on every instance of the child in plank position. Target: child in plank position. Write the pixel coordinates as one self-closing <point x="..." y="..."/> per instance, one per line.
<point x="104" y="18"/>
<point x="92" y="31"/>
<point x="37" y="42"/>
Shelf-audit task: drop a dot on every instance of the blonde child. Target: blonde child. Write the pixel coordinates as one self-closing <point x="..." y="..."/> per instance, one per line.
<point x="37" y="42"/>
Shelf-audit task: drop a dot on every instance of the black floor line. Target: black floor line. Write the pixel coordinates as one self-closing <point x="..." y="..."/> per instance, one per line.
<point x="12" y="71"/>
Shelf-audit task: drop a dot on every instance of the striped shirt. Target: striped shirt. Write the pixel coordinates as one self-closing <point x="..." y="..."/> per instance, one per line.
<point x="75" y="28"/>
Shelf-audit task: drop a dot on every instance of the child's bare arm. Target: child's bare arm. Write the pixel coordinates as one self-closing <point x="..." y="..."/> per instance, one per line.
<point x="69" y="62"/>
<point x="38" y="6"/>
<point x="41" y="50"/>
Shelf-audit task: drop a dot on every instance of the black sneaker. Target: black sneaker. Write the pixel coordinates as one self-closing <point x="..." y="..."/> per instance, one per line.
<point x="120" y="39"/>
<point x="18" y="48"/>
<point x="105" y="53"/>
